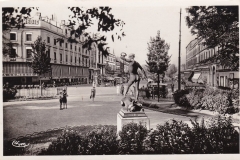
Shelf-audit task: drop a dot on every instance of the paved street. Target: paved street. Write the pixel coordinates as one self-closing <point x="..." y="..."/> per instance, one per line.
<point x="27" y="117"/>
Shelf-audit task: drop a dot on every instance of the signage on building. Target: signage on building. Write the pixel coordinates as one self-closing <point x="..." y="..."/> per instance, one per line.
<point x="32" y="21"/>
<point x="19" y="74"/>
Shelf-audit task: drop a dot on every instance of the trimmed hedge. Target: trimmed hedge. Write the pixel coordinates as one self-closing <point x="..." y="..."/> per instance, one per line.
<point x="221" y="101"/>
<point x="217" y="135"/>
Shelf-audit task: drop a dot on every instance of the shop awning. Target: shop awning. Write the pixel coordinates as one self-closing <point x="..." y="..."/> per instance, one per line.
<point x="196" y="76"/>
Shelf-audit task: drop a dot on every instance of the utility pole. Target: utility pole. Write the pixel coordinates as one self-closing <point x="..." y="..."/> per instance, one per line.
<point x="179" y="56"/>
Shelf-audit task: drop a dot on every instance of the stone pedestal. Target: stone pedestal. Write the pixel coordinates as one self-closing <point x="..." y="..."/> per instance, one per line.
<point x="124" y="117"/>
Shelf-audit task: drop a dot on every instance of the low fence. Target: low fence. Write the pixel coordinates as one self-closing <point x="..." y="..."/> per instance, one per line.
<point x="31" y="93"/>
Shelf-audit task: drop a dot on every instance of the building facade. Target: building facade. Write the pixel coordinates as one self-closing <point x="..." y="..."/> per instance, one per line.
<point x="70" y="61"/>
<point x="202" y="70"/>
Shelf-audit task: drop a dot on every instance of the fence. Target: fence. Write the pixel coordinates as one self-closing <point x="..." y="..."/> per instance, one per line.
<point x="31" y="93"/>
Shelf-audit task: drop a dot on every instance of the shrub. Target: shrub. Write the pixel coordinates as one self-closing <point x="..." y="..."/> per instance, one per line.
<point x="9" y="93"/>
<point x="179" y="97"/>
<point x="172" y="137"/>
<point x="101" y="140"/>
<point x="131" y="139"/>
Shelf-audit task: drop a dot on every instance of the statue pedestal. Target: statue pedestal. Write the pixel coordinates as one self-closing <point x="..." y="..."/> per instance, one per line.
<point x="124" y="117"/>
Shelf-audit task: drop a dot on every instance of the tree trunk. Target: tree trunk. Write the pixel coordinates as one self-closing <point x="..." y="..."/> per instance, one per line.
<point x="40" y="85"/>
<point x="158" y="87"/>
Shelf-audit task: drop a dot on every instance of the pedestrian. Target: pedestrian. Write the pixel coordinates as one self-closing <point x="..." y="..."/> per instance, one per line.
<point x="122" y="89"/>
<point x="60" y="99"/>
<point x="118" y="89"/>
<point x="93" y="93"/>
<point x="64" y="98"/>
<point x="172" y="87"/>
<point x="114" y="82"/>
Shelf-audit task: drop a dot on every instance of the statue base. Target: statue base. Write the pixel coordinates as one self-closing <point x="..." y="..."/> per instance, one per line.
<point x="124" y="117"/>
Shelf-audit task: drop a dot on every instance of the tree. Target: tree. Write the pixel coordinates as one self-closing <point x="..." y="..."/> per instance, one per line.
<point x="83" y="19"/>
<point x="158" y="58"/>
<point x="41" y="61"/>
<point x="172" y="69"/>
<point x="218" y="26"/>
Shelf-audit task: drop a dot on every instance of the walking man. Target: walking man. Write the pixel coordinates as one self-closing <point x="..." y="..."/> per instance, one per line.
<point x="134" y="77"/>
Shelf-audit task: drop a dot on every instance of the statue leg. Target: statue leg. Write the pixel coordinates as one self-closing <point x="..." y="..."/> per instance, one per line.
<point x="130" y="82"/>
<point x="137" y="88"/>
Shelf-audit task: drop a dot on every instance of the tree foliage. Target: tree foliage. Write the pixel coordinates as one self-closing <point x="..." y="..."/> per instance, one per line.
<point x="218" y="26"/>
<point x="106" y="22"/>
<point x="40" y="58"/>
<point x="172" y="69"/>
<point x="158" y="58"/>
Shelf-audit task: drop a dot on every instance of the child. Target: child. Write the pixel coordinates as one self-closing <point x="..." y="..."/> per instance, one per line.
<point x="60" y="99"/>
<point x="64" y="98"/>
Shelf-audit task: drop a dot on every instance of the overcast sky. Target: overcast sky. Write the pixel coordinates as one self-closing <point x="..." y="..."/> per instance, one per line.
<point x="143" y="19"/>
<point x="141" y="24"/>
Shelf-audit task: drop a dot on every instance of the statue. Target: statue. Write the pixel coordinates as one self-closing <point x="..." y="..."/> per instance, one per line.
<point x="134" y="77"/>
<point x="130" y="105"/>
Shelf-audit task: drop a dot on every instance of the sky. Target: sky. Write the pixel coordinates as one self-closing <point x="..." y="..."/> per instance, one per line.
<point x="141" y="23"/>
<point x="143" y="18"/>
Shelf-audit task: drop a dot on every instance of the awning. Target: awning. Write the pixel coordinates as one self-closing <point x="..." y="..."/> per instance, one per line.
<point x="196" y="77"/>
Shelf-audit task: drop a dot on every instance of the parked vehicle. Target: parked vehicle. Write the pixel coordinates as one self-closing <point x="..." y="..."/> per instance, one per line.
<point x="163" y="89"/>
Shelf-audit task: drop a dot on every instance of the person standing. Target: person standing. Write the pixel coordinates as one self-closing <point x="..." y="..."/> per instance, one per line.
<point x="60" y="99"/>
<point x="64" y="98"/>
<point x="122" y="89"/>
<point x="134" y="77"/>
<point x="172" y="87"/>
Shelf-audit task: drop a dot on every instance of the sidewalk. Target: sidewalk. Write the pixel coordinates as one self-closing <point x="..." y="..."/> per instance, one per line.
<point x="169" y="106"/>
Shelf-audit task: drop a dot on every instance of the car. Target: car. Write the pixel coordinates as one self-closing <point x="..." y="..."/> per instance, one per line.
<point x="163" y="89"/>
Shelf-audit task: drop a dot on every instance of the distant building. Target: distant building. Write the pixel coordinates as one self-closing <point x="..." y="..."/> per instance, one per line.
<point x="70" y="61"/>
<point x="203" y="71"/>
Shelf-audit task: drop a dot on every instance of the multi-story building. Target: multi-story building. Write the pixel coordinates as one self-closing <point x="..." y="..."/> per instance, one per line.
<point x="111" y="61"/>
<point x="70" y="62"/>
<point x="202" y="70"/>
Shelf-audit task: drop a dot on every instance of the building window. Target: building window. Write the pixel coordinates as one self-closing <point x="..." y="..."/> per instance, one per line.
<point x="66" y="58"/>
<point x="48" y="52"/>
<point x="75" y="59"/>
<point x="55" y="56"/>
<point x="55" y="41"/>
<point x="71" y="59"/>
<point x="79" y="49"/>
<point x="28" y="36"/>
<point x="69" y="70"/>
<point x="66" y="45"/>
<point x="29" y="53"/>
<point x="221" y="80"/>
<point x="71" y="46"/>
<point x="75" y="48"/>
<point x="13" y="52"/>
<point x="13" y="36"/>
<point x="60" y="57"/>
<point x="60" y="43"/>
<point x="86" y="63"/>
<point x="65" y="31"/>
<point x="48" y="39"/>
<point x="79" y="60"/>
